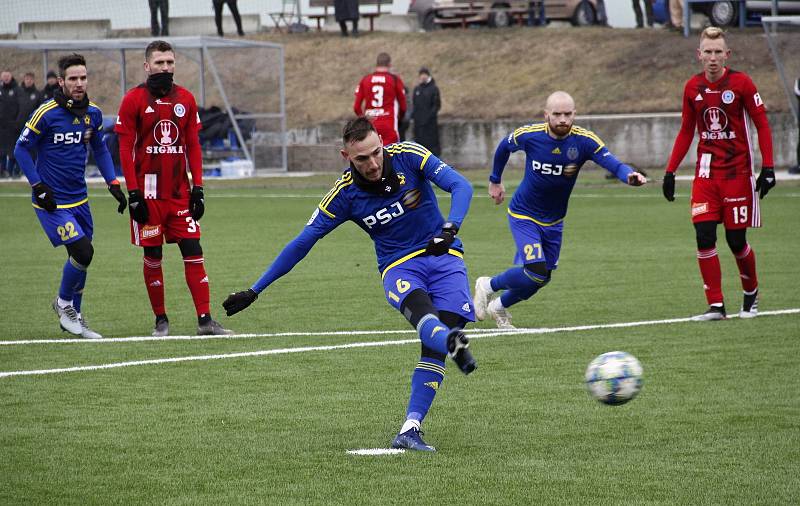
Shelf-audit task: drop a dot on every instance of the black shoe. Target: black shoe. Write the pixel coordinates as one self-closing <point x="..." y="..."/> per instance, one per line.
<point x="161" y="328"/>
<point x="458" y="347"/>
<point x="713" y="313"/>
<point x="749" y="306"/>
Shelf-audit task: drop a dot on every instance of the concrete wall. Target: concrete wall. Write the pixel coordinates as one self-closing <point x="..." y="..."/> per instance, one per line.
<point x="639" y="139"/>
<point x="78" y="29"/>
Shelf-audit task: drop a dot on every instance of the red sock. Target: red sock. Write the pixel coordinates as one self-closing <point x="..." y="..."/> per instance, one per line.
<point x="711" y="273"/>
<point x="154" y="281"/>
<point x="197" y="280"/>
<point x="746" y="260"/>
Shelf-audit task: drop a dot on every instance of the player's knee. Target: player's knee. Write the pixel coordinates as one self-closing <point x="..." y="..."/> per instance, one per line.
<point x="416" y="305"/>
<point x="538" y="274"/>
<point x="706" y="233"/>
<point x="737" y="239"/>
<point x="190" y="248"/>
<point x="81" y="253"/>
<point x="153" y="252"/>
<point x="429" y="353"/>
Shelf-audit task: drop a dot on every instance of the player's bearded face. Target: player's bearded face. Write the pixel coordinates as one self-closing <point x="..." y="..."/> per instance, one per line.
<point x="160" y="61"/>
<point x="560" y="121"/>
<point x="366" y="156"/>
<point x="74" y="82"/>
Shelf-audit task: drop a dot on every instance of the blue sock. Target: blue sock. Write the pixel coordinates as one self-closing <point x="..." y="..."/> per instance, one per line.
<point x="70" y="277"/>
<point x="77" y="296"/>
<point x="425" y="381"/>
<point x="520" y="284"/>
<point x="433" y="333"/>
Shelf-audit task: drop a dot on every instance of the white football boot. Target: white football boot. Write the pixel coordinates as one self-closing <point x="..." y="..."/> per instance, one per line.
<point x="499" y="314"/>
<point x="483" y="295"/>
<point x="86" y="332"/>
<point x="68" y="318"/>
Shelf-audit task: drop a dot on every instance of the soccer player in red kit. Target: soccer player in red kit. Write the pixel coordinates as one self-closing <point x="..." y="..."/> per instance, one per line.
<point x="158" y="128"/>
<point x="718" y="102"/>
<point x="381" y="98"/>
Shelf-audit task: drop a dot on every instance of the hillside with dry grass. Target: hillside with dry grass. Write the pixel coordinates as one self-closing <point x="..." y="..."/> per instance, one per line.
<point x="490" y="74"/>
<point x="482" y="73"/>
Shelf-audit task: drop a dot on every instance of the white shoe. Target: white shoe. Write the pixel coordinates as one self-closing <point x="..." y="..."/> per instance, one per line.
<point x="68" y="318"/>
<point x="714" y="313"/>
<point x="483" y="295"/>
<point x="749" y="306"/>
<point x="500" y="315"/>
<point x="86" y="332"/>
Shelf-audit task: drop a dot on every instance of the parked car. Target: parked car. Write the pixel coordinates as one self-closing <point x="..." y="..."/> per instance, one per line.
<point x="433" y="14"/>
<point x="726" y="12"/>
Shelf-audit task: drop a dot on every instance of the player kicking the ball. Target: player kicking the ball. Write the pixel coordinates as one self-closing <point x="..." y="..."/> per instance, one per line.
<point x="387" y="192"/>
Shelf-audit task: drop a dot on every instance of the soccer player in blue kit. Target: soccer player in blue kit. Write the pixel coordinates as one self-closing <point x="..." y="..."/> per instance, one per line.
<point x="59" y="132"/>
<point x="387" y="192"/>
<point x="555" y="151"/>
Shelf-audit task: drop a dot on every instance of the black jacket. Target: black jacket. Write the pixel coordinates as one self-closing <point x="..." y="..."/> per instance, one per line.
<point x="426" y="103"/>
<point x="9" y="113"/>
<point x="345" y="10"/>
<point x="48" y="91"/>
<point x="29" y="100"/>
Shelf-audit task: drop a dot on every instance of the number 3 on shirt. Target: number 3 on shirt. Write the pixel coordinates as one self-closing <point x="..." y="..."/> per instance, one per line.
<point x="533" y="251"/>
<point x="377" y="96"/>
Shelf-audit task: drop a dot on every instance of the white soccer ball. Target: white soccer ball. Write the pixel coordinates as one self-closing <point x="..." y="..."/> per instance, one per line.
<point x="614" y="378"/>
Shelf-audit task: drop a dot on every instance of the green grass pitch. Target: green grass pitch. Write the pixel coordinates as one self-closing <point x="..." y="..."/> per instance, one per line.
<point x="717" y="422"/>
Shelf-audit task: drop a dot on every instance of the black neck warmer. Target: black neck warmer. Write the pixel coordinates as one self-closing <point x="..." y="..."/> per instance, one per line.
<point x="388" y="183"/>
<point x="160" y="84"/>
<point x="78" y="108"/>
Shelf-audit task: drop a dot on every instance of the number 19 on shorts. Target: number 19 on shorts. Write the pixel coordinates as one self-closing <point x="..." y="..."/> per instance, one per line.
<point x="739" y="214"/>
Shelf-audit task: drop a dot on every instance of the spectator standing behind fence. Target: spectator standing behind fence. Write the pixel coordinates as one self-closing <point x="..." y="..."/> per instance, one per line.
<point x="29" y="99"/>
<point x="536" y="15"/>
<point x="233" y="6"/>
<point x="648" y="11"/>
<point x="155" y="7"/>
<point x="346" y="10"/>
<point x="427" y="103"/>
<point x="9" y="112"/>
<point x="50" y="87"/>
<point x="676" y="14"/>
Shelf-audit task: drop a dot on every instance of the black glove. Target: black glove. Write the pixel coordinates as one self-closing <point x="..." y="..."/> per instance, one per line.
<point x="137" y="207"/>
<point x="197" y="203"/>
<point x="668" y="186"/>
<point x="765" y="181"/>
<point x="441" y="243"/>
<point x="238" y="301"/>
<point x="44" y="197"/>
<point x="116" y="192"/>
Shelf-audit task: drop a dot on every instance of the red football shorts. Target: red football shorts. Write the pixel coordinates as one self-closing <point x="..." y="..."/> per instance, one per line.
<point x="169" y="221"/>
<point x="732" y="202"/>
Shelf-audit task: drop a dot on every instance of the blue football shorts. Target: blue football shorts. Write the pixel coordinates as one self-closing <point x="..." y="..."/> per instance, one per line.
<point x="66" y="225"/>
<point x="535" y="242"/>
<point x="443" y="278"/>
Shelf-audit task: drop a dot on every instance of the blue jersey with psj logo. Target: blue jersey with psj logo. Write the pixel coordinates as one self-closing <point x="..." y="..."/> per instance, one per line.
<point x="400" y="224"/>
<point x="551" y="168"/>
<point x="59" y="139"/>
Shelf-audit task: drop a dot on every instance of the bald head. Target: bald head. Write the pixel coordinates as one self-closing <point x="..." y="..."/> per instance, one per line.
<point x="559" y="100"/>
<point x="559" y="111"/>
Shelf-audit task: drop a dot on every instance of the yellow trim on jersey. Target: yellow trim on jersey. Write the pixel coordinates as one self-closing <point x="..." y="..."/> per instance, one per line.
<point x="536" y="127"/>
<point x="588" y="133"/>
<point x="66" y="206"/>
<point x="37" y="116"/>
<point x="93" y="104"/>
<point x="542" y="223"/>
<point x="410" y="147"/>
<point x="345" y="180"/>
<point x="417" y="253"/>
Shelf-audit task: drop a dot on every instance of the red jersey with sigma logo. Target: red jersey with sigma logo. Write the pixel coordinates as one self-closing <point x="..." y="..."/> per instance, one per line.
<point x="381" y="98"/>
<point x="158" y="141"/>
<point x="720" y="111"/>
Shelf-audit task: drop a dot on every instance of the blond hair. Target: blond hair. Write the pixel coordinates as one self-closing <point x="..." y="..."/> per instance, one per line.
<point x="713" y="33"/>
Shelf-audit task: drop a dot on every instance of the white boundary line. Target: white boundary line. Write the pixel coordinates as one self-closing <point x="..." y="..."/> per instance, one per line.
<point x="282" y="351"/>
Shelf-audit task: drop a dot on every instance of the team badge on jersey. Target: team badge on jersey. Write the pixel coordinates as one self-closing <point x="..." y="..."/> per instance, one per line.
<point x="180" y="110"/>
<point x="87" y="120"/>
<point x="727" y="97"/>
<point x="411" y="199"/>
<point x="572" y="153"/>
